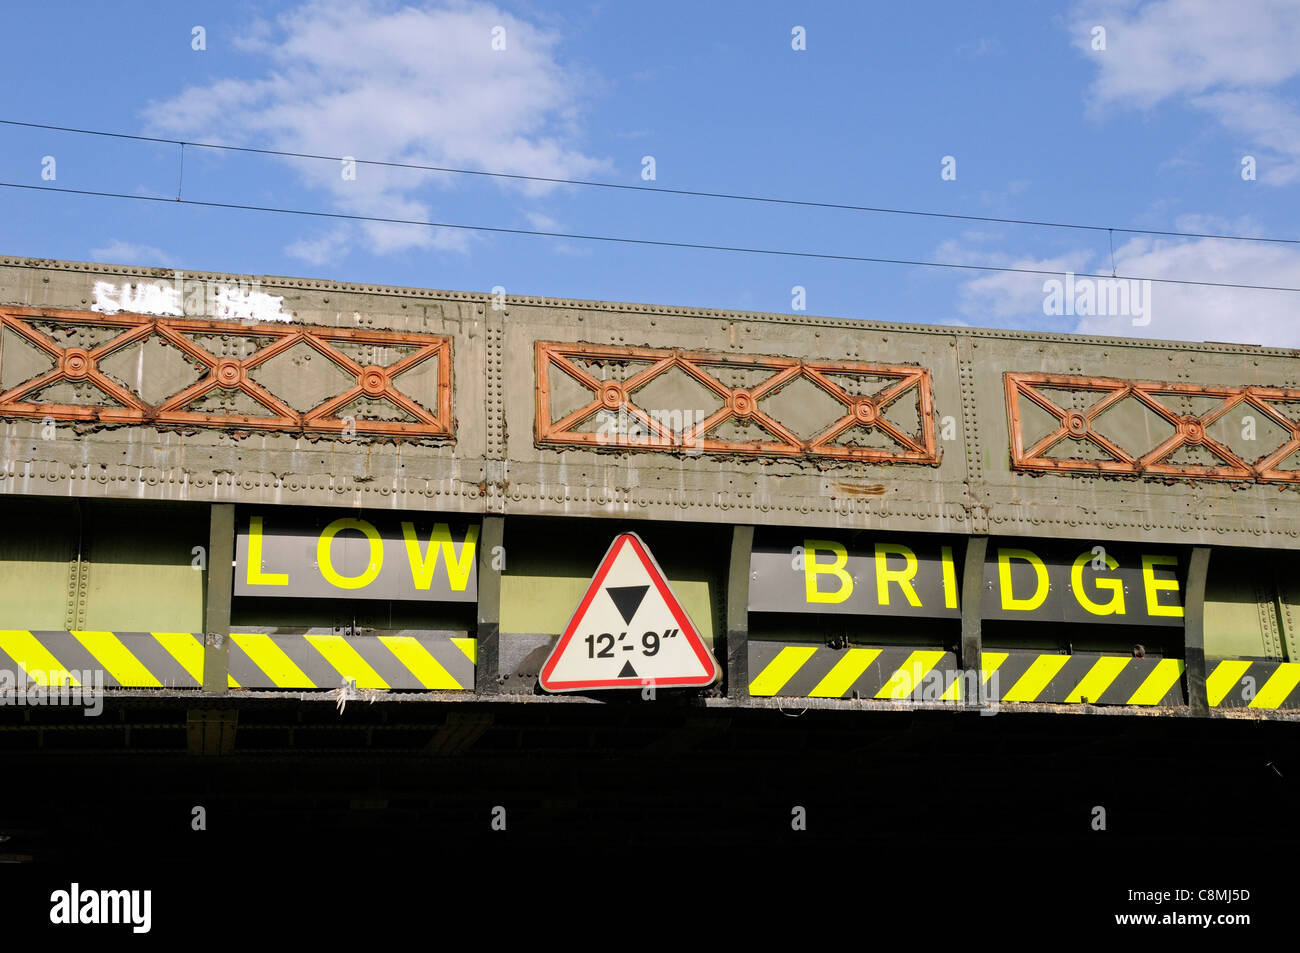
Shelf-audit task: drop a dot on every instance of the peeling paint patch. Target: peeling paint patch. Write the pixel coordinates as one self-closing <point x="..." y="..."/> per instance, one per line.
<point x="861" y="489"/>
<point x="137" y="299"/>
<point x="229" y="301"/>
<point x="257" y="305"/>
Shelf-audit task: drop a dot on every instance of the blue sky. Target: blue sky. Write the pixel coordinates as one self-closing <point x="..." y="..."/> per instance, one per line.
<point x="1149" y="132"/>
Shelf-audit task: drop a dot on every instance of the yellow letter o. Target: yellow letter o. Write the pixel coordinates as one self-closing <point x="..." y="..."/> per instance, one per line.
<point x="326" y="564"/>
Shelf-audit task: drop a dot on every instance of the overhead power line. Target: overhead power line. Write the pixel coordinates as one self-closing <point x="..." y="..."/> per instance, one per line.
<point x="635" y="241"/>
<point x="731" y="196"/>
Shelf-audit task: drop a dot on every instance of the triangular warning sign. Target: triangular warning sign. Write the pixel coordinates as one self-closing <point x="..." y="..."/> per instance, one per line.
<point x="629" y="631"/>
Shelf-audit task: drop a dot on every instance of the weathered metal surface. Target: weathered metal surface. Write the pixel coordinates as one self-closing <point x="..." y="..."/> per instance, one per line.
<point x="114" y="401"/>
<point x="675" y="427"/>
<point x="496" y="464"/>
<point x="1188" y="431"/>
<point x="214" y="464"/>
<point x="688" y="484"/>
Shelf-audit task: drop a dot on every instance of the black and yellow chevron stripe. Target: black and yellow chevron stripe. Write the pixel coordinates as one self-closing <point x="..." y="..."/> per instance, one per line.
<point x="812" y="671"/>
<point x="175" y="660"/>
<point x="816" y="671"/>
<point x="1253" y="683"/>
<point x="377" y="661"/>
<point x="127" y="659"/>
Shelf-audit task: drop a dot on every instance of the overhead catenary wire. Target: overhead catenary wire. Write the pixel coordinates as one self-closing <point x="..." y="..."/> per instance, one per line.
<point x="702" y="246"/>
<point x="180" y="181"/>
<point x="663" y="190"/>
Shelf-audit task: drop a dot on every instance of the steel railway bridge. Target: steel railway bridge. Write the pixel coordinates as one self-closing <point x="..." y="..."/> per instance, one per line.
<point x="320" y="533"/>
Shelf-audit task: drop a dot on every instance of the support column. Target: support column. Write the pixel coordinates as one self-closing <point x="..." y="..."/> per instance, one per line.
<point x="737" y="661"/>
<point x="972" y="601"/>
<point x="220" y="588"/>
<point x="1284" y="598"/>
<point x="491" y="547"/>
<point x="1194" y="631"/>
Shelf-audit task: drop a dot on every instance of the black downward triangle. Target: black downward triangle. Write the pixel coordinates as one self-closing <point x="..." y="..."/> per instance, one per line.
<point x="627" y="599"/>
<point x="627" y="671"/>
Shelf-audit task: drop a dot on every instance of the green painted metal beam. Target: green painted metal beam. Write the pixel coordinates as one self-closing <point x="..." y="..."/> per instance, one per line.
<point x="491" y="550"/>
<point x="737" y="674"/>
<point x="972" y="582"/>
<point x="1194" y="630"/>
<point x="220" y="585"/>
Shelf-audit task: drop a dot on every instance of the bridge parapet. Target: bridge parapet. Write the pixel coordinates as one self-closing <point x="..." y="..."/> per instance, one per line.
<point x="321" y="393"/>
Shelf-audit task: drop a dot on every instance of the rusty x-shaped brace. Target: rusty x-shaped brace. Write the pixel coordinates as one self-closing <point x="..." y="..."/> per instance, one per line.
<point x="76" y="364"/>
<point x="1189" y="430"/>
<point x="740" y="404"/>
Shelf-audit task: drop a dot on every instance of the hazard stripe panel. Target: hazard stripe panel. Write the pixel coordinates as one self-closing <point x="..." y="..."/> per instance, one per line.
<point x="104" y="659"/>
<point x="415" y="661"/>
<point x="817" y="671"/>
<point x="1252" y="683"/>
<point x="408" y="661"/>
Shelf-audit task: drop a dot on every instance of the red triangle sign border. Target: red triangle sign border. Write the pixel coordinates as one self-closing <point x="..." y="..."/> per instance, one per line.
<point x="688" y="629"/>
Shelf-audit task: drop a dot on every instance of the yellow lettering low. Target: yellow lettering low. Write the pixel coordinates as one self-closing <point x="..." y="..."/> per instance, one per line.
<point x="326" y="564"/>
<point x="255" y="575"/>
<point x="424" y="566"/>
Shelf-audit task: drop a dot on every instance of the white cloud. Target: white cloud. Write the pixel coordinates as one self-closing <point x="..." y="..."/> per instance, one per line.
<point x="1218" y="225"/>
<point x="1003" y="294"/>
<point x="420" y="85"/>
<point x="119" y="252"/>
<point x="1177" y="164"/>
<point x="325" y="249"/>
<point x="1176" y="312"/>
<point x="542" y="222"/>
<point x="1266" y="120"/>
<point x="1197" y="313"/>
<point x="1226" y="58"/>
